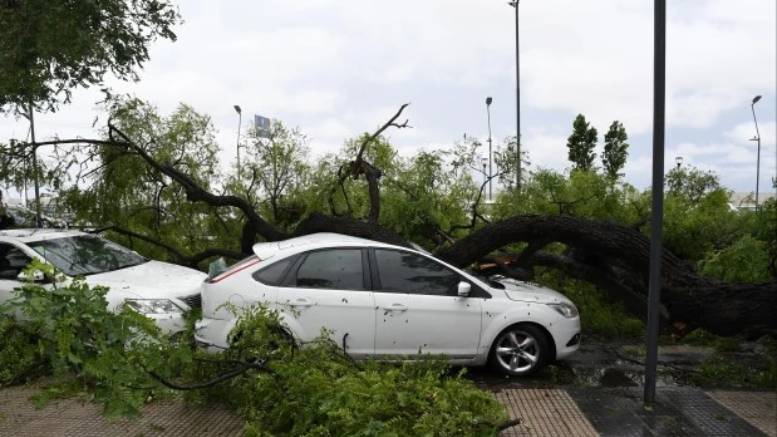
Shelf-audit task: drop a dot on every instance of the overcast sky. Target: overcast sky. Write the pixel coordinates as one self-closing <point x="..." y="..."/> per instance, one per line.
<point x="335" y="68"/>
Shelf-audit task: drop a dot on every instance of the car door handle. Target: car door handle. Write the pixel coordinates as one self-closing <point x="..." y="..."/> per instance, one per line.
<point x="302" y="302"/>
<point x="396" y="307"/>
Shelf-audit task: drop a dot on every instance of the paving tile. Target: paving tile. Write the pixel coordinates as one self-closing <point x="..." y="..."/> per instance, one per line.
<point x="544" y="413"/>
<point x="757" y="408"/>
<point x="72" y="417"/>
<point x="678" y="412"/>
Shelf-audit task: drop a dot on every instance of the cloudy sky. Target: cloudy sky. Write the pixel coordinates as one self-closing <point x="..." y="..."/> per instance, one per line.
<point x="335" y="68"/>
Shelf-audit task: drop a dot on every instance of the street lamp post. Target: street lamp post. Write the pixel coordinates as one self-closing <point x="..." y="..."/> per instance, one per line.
<point x="758" y="160"/>
<point x="679" y="161"/>
<point x="36" y="183"/>
<point x="490" y="171"/>
<point x="239" y="123"/>
<point x="514" y="3"/>
<point x="657" y="219"/>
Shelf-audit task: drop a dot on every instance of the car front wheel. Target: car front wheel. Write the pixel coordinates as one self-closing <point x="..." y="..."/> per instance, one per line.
<point x="520" y="350"/>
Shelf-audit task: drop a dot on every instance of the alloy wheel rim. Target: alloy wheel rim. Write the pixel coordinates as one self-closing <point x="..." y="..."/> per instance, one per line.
<point x="517" y="351"/>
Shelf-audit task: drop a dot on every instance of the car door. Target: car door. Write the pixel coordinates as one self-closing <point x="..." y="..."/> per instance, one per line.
<point x="418" y="309"/>
<point x="12" y="262"/>
<point x="329" y="289"/>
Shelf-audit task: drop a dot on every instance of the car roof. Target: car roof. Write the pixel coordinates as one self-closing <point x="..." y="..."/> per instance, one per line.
<point x="31" y="234"/>
<point x="312" y="241"/>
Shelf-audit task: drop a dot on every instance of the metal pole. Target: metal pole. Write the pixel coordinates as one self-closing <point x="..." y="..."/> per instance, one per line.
<point x="656" y="223"/>
<point x="514" y="4"/>
<point x="38" y="220"/>
<point x="490" y="171"/>
<point x="239" y="123"/>
<point x="758" y="160"/>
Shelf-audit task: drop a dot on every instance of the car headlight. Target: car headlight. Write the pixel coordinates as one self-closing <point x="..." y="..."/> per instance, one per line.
<point x="565" y="309"/>
<point x="153" y="306"/>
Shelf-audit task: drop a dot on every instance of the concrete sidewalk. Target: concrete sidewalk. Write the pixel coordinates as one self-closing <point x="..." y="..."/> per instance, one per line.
<point x="544" y="412"/>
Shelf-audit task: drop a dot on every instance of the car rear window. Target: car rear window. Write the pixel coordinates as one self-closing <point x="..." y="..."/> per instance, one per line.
<point x="334" y="269"/>
<point x="274" y="273"/>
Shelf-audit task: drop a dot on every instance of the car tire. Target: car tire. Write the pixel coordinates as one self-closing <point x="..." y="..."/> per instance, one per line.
<point x="520" y="350"/>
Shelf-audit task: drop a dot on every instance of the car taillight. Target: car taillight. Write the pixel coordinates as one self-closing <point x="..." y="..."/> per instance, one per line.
<point x="234" y="269"/>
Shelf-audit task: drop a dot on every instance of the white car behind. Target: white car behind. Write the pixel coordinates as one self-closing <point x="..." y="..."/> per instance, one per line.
<point x="159" y="290"/>
<point x="381" y="300"/>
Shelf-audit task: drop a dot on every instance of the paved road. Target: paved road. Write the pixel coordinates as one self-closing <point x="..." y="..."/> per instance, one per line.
<point x="546" y="412"/>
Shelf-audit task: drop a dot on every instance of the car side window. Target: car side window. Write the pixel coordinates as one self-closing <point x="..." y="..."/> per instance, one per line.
<point x="274" y="273"/>
<point x="336" y="269"/>
<point x="407" y="272"/>
<point x="12" y="261"/>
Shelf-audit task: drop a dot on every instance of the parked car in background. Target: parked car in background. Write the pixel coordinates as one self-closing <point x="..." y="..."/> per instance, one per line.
<point x="386" y="301"/>
<point x="159" y="290"/>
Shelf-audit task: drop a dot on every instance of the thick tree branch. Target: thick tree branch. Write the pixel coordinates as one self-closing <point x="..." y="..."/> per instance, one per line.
<point x="372" y="174"/>
<point x="719" y="307"/>
<point x="181" y="258"/>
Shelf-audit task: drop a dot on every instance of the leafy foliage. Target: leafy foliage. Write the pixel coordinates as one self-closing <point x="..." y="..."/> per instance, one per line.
<point x="19" y="355"/>
<point x="581" y="144"/>
<point x="691" y="183"/>
<point x="746" y="260"/>
<point x="120" y="190"/>
<point x="49" y="47"/>
<point x="119" y="358"/>
<point x="86" y="346"/>
<point x="615" y="149"/>
<point x="318" y="390"/>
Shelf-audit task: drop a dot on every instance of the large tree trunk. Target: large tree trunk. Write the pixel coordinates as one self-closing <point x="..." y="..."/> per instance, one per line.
<point x="616" y="257"/>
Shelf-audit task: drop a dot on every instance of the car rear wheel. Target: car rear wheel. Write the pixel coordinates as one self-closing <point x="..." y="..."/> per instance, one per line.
<point x="520" y="350"/>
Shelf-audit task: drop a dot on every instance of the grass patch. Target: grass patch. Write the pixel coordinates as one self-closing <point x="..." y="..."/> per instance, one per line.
<point x="723" y="370"/>
<point x="700" y="337"/>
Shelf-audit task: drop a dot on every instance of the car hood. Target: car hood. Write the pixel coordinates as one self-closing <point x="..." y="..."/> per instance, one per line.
<point x="526" y="291"/>
<point x="150" y="280"/>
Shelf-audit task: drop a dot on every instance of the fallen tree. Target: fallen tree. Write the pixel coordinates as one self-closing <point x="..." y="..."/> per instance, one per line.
<point x="611" y="256"/>
<point x="616" y="258"/>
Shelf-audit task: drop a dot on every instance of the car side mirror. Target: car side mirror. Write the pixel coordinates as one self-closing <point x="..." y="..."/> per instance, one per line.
<point x="464" y="288"/>
<point x="35" y="275"/>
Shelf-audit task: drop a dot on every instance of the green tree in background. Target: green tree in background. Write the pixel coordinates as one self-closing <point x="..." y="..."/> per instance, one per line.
<point x="691" y="183"/>
<point x="581" y="144"/>
<point x="615" y="150"/>
<point x="274" y="169"/>
<point x="50" y="47"/>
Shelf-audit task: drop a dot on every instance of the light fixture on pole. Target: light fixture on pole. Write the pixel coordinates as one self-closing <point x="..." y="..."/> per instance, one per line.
<point x="758" y="160"/>
<point x="490" y="172"/>
<point x="514" y="3"/>
<point x="239" y="123"/>
<point x="679" y="161"/>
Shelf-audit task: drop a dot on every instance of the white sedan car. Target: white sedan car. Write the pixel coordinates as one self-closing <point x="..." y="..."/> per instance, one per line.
<point x="159" y="290"/>
<point x="385" y="301"/>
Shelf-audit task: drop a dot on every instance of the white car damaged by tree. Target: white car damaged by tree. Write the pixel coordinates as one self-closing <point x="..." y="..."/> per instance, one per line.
<point x="385" y="301"/>
<point x="161" y="291"/>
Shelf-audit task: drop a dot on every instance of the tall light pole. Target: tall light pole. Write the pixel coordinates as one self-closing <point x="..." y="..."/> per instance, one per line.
<point x="239" y="123"/>
<point x="38" y="221"/>
<point x="514" y="3"/>
<point x="657" y="219"/>
<point x="490" y="172"/>
<point x="758" y="160"/>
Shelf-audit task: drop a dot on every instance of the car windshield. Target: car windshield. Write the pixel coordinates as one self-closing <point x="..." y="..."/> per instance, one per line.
<point x="83" y="255"/>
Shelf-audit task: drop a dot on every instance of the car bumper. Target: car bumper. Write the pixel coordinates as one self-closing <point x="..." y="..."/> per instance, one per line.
<point x="566" y="336"/>
<point x="211" y="334"/>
